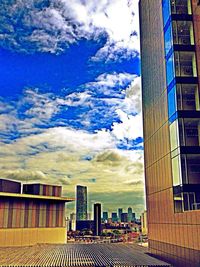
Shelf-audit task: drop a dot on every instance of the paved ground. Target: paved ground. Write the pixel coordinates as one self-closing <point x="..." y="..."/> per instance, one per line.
<point x="73" y="255"/>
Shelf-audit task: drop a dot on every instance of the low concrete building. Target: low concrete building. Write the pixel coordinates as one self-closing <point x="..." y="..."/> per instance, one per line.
<point x="28" y="219"/>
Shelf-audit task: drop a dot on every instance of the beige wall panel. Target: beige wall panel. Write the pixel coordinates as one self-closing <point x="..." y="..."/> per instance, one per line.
<point x="32" y="236"/>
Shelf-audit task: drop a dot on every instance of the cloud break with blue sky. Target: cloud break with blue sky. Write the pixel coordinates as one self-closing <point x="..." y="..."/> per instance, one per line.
<point x="70" y="109"/>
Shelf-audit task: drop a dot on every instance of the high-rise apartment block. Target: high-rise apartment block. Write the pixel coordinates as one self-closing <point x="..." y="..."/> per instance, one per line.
<point x="81" y="203"/>
<point x="170" y="56"/>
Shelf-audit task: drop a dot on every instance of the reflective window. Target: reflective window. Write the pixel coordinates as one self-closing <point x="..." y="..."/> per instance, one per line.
<point x="168" y="39"/>
<point x="176" y="171"/>
<point x="187" y="97"/>
<point x="172" y="106"/>
<point x="174" y="137"/>
<point x="170" y="69"/>
<point x="189" y="130"/>
<point x="185" y="64"/>
<point x="189" y="200"/>
<point x="183" y="32"/>
<point x="181" y="7"/>
<point x="191" y="168"/>
<point x="166" y="10"/>
<point x="186" y="201"/>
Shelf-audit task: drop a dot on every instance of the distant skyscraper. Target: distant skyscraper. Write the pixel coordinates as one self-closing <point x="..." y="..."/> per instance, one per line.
<point x="81" y="203"/>
<point x="97" y="219"/>
<point x="130" y="214"/>
<point x="124" y="217"/>
<point x="170" y="57"/>
<point x="120" y="214"/>
<point x="89" y="216"/>
<point x="114" y="216"/>
<point x="105" y="216"/>
<point x="73" y="216"/>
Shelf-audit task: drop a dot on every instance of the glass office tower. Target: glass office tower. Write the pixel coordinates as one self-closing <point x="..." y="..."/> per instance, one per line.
<point x="81" y="203"/>
<point x="170" y="56"/>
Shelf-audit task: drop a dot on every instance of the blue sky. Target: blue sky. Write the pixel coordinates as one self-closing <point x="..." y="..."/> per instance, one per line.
<point x="70" y="110"/>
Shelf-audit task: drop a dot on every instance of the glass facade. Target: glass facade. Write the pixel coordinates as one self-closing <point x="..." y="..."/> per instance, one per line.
<point x="170" y="94"/>
<point x="180" y="61"/>
<point x="81" y="203"/>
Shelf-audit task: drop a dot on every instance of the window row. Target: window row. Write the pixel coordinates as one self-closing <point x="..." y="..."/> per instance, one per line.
<point x="186" y="169"/>
<point x="181" y="7"/>
<point x="186" y="201"/>
<point x="185" y="132"/>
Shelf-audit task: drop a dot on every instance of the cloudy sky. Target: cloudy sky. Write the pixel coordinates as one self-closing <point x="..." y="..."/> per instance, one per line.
<point x="70" y="110"/>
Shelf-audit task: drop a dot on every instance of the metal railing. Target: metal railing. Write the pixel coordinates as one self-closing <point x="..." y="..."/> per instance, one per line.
<point x="196" y="206"/>
<point x="184" y="70"/>
<point x="182" y="39"/>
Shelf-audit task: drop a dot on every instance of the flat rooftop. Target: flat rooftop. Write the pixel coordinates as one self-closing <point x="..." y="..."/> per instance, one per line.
<point x="73" y="255"/>
<point x="41" y="197"/>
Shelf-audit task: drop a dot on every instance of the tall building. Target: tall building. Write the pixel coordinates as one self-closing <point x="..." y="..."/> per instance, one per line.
<point x="81" y="203"/>
<point x="72" y="222"/>
<point x="170" y="56"/>
<point x="130" y="214"/>
<point x="89" y="216"/>
<point x="97" y="219"/>
<point x="120" y="214"/>
<point x="105" y="216"/>
<point x="31" y="217"/>
<point x="114" y="216"/>
<point x="124" y="217"/>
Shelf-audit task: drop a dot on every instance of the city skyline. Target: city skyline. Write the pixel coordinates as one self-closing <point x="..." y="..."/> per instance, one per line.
<point x="70" y="109"/>
<point x="82" y="196"/>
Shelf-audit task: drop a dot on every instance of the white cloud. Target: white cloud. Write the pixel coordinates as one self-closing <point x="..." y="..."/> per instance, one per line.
<point x="106" y="80"/>
<point x="42" y="106"/>
<point x="76" y="99"/>
<point x="132" y="101"/>
<point x="53" y="25"/>
<point x="130" y="126"/>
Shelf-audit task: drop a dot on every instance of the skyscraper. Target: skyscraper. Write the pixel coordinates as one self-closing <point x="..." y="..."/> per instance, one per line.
<point x="81" y="203"/>
<point x="114" y="216"/>
<point x="97" y="219"/>
<point x="124" y="217"/>
<point x="170" y="56"/>
<point x="130" y="214"/>
<point x="105" y="216"/>
<point x="120" y="214"/>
